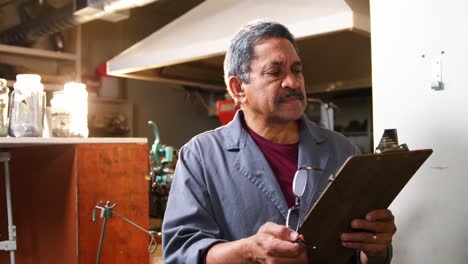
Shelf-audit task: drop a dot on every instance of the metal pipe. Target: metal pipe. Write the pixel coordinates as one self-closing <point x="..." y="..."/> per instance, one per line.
<point x="101" y="240"/>
<point x="5" y="157"/>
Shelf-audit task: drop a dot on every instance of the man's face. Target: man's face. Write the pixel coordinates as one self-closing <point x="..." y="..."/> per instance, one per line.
<point x="276" y="89"/>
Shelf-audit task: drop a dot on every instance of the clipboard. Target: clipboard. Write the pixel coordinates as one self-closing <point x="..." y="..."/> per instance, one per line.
<point x="363" y="183"/>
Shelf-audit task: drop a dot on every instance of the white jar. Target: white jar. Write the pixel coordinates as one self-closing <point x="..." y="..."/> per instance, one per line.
<point x="78" y="108"/>
<point x="27" y="106"/>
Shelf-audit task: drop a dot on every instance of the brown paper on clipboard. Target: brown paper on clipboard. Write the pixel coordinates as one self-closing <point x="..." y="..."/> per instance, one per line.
<point x="363" y="183"/>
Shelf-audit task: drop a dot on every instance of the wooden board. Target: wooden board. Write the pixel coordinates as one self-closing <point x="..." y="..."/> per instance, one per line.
<point x="364" y="183"/>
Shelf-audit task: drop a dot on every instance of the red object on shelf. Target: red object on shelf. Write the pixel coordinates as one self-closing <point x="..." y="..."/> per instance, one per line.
<point x="226" y="109"/>
<point x="101" y="70"/>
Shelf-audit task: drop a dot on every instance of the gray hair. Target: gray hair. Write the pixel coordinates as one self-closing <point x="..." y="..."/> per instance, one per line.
<point x="241" y="53"/>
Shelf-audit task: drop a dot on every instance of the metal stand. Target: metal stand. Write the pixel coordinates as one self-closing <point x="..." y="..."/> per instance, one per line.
<point x="10" y="244"/>
<point x="106" y="213"/>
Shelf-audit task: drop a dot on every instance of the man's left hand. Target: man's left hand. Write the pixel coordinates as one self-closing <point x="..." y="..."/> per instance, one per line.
<point x="374" y="236"/>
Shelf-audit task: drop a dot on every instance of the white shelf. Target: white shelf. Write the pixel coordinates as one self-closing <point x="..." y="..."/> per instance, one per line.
<point x="12" y="142"/>
<point x="37" y="53"/>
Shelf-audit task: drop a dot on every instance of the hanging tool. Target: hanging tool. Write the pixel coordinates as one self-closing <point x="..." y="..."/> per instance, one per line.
<point x="107" y="211"/>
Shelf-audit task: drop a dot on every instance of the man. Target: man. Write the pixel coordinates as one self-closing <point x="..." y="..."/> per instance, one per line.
<point x="232" y="186"/>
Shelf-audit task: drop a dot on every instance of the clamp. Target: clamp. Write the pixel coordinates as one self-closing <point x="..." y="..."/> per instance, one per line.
<point x="107" y="211"/>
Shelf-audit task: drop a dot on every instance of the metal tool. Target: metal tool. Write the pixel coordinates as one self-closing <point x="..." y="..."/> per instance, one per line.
<point x="10" y="244"/>
<point x="107" y="211"/>
<point x="162" y="161"/>
<point x="160" y="154"/>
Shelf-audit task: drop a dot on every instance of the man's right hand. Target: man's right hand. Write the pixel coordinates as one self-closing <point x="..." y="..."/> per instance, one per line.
<point x="273" y="243"/>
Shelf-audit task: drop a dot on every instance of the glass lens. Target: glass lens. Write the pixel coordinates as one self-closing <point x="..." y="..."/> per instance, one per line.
<point x="292" y="220"/>
<point x="300" y="182"/>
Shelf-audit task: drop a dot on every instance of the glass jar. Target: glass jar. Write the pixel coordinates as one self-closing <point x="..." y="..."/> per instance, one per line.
<point x="59" y="115"/>
<point x="27" y="106"/>
<point x="78" y="107"/>
<point x="3" y="108"/>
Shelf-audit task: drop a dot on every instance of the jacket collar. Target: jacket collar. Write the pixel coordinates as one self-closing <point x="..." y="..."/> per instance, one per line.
<point x="234" y="130"/>
<point x="252" y="164"/>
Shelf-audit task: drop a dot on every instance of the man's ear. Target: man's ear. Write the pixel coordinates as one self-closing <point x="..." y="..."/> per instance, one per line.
<point x="237" y="89"/>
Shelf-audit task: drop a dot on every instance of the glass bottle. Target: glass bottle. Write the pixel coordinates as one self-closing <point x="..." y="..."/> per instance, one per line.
<point x="27" y="106"/>
<point x="3" y="108"/>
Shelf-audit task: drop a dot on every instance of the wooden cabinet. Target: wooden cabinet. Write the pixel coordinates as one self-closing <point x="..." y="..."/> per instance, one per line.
<point x="54" y="190"/>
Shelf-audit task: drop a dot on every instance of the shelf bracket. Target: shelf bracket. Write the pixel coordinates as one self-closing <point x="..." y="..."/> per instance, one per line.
<point x="8" y="245"/>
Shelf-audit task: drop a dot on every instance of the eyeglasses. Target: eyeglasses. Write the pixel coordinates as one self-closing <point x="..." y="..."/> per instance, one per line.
<point x="299" y="186"/>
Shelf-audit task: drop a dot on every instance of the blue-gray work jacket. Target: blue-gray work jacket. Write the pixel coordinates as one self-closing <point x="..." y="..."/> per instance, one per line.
<point x="224" y="190"/>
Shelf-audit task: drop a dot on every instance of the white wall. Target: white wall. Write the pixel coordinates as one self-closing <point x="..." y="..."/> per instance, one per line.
<point x="431" y="212"/>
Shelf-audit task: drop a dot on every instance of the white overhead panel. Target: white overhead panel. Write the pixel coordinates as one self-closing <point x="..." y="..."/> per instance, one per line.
<point x="189" y="50"/>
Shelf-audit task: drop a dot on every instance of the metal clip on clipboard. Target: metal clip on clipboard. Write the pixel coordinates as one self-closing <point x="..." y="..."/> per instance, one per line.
<point x="389" y="142"/>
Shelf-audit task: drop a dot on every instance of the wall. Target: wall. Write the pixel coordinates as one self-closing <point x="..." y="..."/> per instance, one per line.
<point x="430" y="212"/>
<point x="178" y="115"/>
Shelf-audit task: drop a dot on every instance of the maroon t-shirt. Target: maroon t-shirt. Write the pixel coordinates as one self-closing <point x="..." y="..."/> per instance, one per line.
<point x="282" y="159"/>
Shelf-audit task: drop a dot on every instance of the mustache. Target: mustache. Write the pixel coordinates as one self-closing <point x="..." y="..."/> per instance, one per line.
<point x="289" y="94"/>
